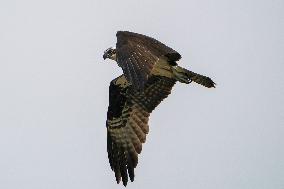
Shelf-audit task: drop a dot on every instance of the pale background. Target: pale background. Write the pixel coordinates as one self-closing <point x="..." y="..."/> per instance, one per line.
<point x="54" y="94"/>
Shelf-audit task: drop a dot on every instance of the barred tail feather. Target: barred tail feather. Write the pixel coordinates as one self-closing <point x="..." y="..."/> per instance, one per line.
<point x="185" y="76"/>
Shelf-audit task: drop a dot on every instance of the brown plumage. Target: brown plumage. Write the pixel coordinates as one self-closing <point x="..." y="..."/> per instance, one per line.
<point x="150" y="71"/>
<point x="137" y="55"/>
<point x="127" y="121"/>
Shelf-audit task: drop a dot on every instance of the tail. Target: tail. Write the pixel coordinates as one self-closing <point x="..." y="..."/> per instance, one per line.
<point x="185" y="76"/>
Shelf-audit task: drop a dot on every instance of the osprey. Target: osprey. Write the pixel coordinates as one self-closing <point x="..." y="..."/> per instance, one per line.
<point x="150" y="71"/>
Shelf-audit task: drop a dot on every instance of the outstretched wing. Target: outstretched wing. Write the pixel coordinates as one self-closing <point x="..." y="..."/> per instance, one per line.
<point x="137" y="54"/>
<point x="127" y="121"/>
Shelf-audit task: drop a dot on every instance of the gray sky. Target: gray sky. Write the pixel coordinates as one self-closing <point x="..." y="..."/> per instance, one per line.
<point x="54" y="94"/>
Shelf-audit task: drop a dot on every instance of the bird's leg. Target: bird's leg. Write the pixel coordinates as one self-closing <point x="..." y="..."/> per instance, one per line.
<point x="180" y="75"/>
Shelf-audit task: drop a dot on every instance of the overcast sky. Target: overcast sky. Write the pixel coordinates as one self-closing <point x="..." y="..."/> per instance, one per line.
<point x="54" y="94"/>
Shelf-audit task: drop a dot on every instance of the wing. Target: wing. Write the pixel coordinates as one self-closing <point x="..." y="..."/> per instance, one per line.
<point x="137" y="54"/>
<point x="127" y="121"/>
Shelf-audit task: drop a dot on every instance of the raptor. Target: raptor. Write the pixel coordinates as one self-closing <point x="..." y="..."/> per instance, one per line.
<point x="150" y="71"/>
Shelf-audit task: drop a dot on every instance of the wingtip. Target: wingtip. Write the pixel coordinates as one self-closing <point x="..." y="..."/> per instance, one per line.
<point x="124" y="183"/>
<point x="117" y="180"/>
<point x="132" y="179"/>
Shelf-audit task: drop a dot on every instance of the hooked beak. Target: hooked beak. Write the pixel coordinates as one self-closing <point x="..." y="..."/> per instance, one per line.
<point x="104" y="56"/>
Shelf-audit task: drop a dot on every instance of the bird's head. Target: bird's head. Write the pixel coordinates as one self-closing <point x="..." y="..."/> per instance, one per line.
<point x="110" y="53"/>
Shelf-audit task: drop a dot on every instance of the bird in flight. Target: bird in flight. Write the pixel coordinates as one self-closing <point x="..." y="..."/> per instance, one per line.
<point x="150" y="71"/>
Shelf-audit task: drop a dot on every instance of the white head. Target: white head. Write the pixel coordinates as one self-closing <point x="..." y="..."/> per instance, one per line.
<point x="110" y="53"/>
